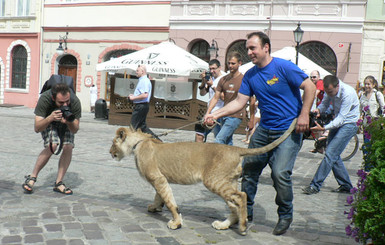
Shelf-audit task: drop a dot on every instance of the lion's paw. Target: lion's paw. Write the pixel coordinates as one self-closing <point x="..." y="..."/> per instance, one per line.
<point x="219" y="225"/>
<point x="154" y="209"/>
<point x="173" y="225"/>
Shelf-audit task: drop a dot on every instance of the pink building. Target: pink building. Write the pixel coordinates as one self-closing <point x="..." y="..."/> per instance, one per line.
<point x="20" y="53"/>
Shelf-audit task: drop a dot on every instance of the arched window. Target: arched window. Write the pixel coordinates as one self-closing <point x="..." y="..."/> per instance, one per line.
<point x="201" y="50"/>
<point x="240" y="47"/>
<point x="118" y="53"/>
<point x="19" y="67"/>
<point x="321" y="54"/>
<point x="68" y="60"/>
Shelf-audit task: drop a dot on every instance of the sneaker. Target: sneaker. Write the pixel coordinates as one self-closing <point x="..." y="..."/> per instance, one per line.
<point x="309" y="190"/>
<point x="250" y="217"/>
<point x="342" y="189"/>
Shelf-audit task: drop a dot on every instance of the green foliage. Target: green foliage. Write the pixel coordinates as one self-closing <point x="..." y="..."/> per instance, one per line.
<point x="368" y="202"/>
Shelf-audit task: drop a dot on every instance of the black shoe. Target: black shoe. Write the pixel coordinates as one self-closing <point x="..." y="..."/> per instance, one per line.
<point x="282" y="226"/>
<point x="250" y="217"/>
<point x="342" y="189"/>
<point x="309" y="190"/>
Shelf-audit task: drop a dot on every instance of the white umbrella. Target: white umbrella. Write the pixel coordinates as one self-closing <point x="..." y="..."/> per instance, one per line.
<point x="161" y="60"/>
<point x="288" y="53"/>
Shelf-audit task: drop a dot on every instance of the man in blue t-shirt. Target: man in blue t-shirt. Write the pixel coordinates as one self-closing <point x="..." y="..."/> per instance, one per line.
<point x="141" y="99"/>
<point x="276" y="83"/>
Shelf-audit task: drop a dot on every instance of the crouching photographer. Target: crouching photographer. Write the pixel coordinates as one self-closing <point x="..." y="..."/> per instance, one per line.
<point x="57" y="115"/>
<point x="319" y="136"/>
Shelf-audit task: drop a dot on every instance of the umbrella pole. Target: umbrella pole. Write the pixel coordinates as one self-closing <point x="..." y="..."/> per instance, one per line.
<point x="165" y="96"/>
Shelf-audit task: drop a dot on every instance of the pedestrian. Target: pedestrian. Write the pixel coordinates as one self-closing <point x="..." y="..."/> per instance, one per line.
<point x="371" y="106"/>
<point x="319" y="94"/>
<point x="229" y="86"/>
<point x="341" y="129"/>
<point x="371" y="99"/>
<point x="276" y="83"/>
<point x="141" y="100"/>
<point x="57" y="117"/>
<point x="209" y="83"/>
<point x="93" y="96"/>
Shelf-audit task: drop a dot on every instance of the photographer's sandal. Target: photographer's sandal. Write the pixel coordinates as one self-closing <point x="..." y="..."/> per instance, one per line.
<point x="65" y="190"/>
<point x="28" y="188"/>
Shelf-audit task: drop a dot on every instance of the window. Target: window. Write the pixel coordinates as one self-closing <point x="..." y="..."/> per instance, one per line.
<point x="23" y="7"/>
<point x="19" y="67"/>
<point x="321" y="54"/>
<point x="201" y="50"/>
<point x="240" y="47"/>
<point x="2" y="8"/>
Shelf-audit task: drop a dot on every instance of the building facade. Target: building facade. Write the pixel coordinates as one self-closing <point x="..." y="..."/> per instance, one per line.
<point x="20" y="36"/>
<point x="332" y="29"/>
<point x="373" y="50"/>
<point x="93" y="31"/>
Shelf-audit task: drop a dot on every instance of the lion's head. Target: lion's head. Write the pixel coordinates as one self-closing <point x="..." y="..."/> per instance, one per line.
<point x="125" y="141"/>
<point x="119" y="148"/>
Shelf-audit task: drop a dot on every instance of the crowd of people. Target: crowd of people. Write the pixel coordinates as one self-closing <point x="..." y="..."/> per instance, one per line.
<point x="271" y="88"/>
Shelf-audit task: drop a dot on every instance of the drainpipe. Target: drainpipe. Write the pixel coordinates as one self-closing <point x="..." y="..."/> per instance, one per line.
<point x="41" y="43"/>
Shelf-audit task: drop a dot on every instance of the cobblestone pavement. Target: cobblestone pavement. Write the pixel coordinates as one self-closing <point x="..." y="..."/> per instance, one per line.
<point x="109" y="204"/>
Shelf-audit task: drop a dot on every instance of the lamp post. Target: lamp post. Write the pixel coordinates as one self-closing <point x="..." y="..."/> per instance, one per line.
<point x="213" y="49"/>
<point x="298" y="34"/>
<point x="60" y="50"/>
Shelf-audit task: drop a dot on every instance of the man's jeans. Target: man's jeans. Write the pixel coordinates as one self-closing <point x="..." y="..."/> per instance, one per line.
<point x="338" y="139"/>
<point x="229" y="125"/>
<point x="281" y="161"/>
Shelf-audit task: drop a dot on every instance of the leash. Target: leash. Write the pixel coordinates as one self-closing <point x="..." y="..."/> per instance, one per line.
<point x="199" y="121"/>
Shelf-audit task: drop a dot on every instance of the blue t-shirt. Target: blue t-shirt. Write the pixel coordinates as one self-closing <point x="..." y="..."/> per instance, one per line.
<point x="144" y="86"/>
<point x="276" y="87"/>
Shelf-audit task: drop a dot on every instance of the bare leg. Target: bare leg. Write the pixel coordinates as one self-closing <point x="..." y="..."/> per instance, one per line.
<point x="41" y="161"/>
<point x="64" y="163"/>
<point x="199" y="138"/>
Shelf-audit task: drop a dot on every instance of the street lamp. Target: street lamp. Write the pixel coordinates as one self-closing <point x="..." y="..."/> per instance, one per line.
<point x="298" y="34"/>
<point x="60" y="50"/>
<point x="214" y="49"/>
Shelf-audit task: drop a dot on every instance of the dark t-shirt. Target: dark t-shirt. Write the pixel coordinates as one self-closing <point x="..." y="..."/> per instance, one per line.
<point x="45" y="105"/>
<point x="230" y="86"/>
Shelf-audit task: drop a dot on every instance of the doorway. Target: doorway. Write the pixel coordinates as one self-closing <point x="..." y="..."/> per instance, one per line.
<point x="68" y="66"/>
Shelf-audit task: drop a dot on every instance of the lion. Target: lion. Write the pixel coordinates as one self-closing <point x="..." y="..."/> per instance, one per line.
<point x="218" y="166"/>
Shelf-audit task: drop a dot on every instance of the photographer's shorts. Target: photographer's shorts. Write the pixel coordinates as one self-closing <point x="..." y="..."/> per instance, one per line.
<point x="50" y="134"/>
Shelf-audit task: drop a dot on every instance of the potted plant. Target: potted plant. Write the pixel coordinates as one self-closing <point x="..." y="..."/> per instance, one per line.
<point x="367" y="212"/>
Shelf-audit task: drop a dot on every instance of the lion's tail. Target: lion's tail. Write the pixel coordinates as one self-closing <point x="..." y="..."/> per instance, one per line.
<point x="269" y="147"/>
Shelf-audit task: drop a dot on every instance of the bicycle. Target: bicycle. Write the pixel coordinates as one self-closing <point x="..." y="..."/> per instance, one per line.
<point x="321" y="144"/>
<point x="349" y="151"/>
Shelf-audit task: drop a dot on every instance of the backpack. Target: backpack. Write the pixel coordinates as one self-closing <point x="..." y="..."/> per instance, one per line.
<point x="379" y="110"/>
<point x="54" y="79"/>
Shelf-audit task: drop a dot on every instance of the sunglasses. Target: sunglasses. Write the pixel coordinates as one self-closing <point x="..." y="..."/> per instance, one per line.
<point x="313" y="76"/>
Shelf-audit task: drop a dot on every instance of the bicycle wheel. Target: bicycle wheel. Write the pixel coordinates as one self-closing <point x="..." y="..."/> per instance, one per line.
<point x="351" y="149"/>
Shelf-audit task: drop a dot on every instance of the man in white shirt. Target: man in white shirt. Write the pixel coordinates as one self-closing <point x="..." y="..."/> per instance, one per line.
<point x="141" y="99"/>
<point x="346" y="107"/>
<point x="208" y="85"/>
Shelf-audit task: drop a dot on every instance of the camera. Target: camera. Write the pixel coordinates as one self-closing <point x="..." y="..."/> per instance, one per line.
<point x="208" y="75"/>
<point x="323" y="119"/>
<point x="67" y="114"/>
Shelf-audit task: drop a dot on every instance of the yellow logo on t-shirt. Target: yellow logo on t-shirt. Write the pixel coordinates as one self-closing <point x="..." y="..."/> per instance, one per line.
<point x="273" y="81"/>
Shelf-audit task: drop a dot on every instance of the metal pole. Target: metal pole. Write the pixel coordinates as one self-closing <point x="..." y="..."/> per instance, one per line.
<point x="296" y="53"/>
